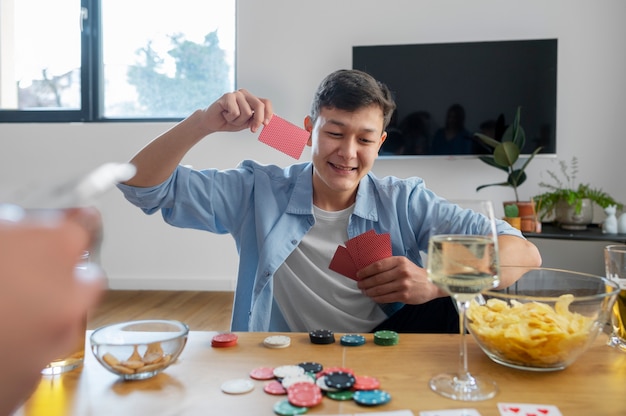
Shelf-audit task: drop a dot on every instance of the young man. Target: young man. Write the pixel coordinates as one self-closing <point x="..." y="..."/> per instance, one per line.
<point x="288" y="222"/>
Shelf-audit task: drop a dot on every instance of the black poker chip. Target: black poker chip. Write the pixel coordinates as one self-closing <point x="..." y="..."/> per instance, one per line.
<point x="340" y="380"/>
<point x="322" y="336"/>
<point x="311" y="367"/>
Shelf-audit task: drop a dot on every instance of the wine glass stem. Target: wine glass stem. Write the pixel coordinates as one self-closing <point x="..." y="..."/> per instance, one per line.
<point x="463" y="373"/>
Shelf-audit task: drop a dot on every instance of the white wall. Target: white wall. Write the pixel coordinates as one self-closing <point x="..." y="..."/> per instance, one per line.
<point x="285" y="47"/>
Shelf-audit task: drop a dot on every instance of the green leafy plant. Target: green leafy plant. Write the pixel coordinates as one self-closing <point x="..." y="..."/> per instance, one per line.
<point x="506" y="152"/>
<point x="565" y="189"/>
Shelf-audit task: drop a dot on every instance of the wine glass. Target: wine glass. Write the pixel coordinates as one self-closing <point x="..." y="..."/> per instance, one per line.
<point x="464" y="262"/>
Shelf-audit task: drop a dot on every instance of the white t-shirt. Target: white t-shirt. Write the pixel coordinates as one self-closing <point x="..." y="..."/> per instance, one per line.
<point x="310" y="295"/>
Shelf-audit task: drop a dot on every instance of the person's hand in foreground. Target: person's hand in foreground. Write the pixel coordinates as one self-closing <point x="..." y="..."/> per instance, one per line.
<point x="43" y="302"/>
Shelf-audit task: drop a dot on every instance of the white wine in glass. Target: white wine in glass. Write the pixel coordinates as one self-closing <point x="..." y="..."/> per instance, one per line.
<point x="464" y="265"/>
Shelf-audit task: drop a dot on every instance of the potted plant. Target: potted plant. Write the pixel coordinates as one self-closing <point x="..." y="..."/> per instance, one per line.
<point x="571" y="204"/>
<point x="507" y="147"/>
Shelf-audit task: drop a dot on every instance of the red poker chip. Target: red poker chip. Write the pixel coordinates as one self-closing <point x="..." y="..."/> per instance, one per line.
<point x="223" y="344"/>
<point x="262" y="373"/>
<point x="304" y="394"/>
<point x="366" y="383"/>
<point x="224" y="338"/>
<point x="274" y="387"/>
<point x="227" y="339"/>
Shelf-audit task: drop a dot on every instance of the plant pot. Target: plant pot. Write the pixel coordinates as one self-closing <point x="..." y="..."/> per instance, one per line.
<point x="567" y="218"/>
<point x="527" y="215"/>
<point x="515" y="222"/>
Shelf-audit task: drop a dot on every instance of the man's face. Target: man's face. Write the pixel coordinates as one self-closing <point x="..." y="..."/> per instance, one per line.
<point x="344" y="146"/>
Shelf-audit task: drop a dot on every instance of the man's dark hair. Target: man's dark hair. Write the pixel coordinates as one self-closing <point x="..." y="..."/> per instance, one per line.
<point x="350" y="90"/>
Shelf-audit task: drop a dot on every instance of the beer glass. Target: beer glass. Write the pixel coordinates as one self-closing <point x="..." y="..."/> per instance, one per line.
<point x="615" y="264"/>
<point x="74" y="359"/>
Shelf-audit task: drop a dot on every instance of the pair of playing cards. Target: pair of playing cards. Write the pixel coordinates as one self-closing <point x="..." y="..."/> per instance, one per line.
<point x="359" y="252"/>
<point x="284" y="136"/>
<point x="506" y="409"/>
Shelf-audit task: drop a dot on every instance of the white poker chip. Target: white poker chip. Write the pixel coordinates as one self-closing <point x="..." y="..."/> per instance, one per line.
<point x="285" y="371"/>
<point x="277" y="341"/>
<point x="237" y="386"/>
<point x="302" y="378"/>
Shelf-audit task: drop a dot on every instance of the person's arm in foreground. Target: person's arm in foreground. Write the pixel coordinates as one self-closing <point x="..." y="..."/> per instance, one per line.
<point x="42" y="301"/>
<point x="398" y="279"/>
<point x="234" y="111"/>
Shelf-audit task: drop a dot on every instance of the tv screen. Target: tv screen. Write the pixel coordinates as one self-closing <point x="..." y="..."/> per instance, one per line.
<point x="446" y="92"/>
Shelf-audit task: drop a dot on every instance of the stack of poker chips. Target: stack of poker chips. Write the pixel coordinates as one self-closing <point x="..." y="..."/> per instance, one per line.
<point x="307" y="383"/>
<point x="322" y="336"/>
<point x="224" y="340"/>
<point x="386" y="338"/>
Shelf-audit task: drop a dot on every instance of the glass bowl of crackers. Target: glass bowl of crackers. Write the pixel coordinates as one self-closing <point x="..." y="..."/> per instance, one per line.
<point x="545" y="320"/>
<point x="137" y="350"/>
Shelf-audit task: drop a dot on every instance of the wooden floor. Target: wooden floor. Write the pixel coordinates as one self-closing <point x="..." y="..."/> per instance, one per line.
<point x="202" y="311"/>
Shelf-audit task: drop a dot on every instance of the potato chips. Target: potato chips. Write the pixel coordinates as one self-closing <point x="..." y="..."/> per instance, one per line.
<point x="532" y="334"/>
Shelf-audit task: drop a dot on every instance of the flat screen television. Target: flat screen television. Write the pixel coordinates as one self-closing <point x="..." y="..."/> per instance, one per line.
<point x="445" y="92"/>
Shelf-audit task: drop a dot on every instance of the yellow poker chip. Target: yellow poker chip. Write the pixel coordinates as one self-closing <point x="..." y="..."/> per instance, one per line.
<point x="277" y="341"/>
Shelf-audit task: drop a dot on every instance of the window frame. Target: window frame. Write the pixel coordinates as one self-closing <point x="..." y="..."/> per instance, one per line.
<point x="92" y="83"/>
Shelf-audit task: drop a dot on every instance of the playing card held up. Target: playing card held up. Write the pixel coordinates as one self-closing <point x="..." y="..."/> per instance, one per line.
<point x="284" y="136"/>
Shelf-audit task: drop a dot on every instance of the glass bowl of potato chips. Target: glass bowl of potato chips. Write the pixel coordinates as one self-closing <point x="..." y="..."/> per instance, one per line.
<point x="138" y="350"/>
<point x="545" y="320"/>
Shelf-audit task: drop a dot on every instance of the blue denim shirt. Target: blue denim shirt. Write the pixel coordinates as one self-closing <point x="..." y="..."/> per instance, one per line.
<point x="268" y="209"/>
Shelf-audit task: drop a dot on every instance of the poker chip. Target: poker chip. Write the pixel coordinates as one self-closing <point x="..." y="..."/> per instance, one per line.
<point x="237" y="386"/>
<point x="284" y="408"/>
<point x="304" y="394"/>
<point x="341" y="395"/>
<point x="277" y="341"/>
<point x="275" y="388"/>
<point x="321" y="383"/>
<point x="285" y="371"/>
<point x="224" y="340"/>
<point x="262" y="373"/>
<point x="366" y="383"/>
<point x="334" y="369"/>
<point x="371" y="397"/>
<point x="352" y="340"/>
<point x="386" y="338"/>
<point x="291" y="380"/>
<point x="340" y="380"/>
<point x="322" y="336"/>
<point x="311" y="367"/>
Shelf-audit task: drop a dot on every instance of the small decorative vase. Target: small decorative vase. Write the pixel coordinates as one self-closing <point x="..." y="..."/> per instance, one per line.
<point x="527" y="215"/>
<point x="515" y="222"/>
<point x="621" y="224"/>
<point x="609" y="226"/>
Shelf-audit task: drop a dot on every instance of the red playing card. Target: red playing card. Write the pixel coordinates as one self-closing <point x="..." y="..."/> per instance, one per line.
<point x="284" y="136"/>
<point x="342" y="263"/>
<point x="369" y="247"/>
<point x="353" y="247"/>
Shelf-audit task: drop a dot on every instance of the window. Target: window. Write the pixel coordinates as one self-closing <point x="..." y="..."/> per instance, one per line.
<point x="101" y="60"/>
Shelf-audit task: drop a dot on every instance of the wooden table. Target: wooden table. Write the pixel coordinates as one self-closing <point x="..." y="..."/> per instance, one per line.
<point x="595" y="384"/>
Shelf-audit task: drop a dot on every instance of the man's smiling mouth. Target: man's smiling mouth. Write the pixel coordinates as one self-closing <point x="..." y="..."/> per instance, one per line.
<point x="340" y="167"/>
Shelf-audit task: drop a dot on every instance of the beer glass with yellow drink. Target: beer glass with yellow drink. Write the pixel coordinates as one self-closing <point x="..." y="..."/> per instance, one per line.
<point x="615" y="264"/>
<point x="74" y="358"/>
